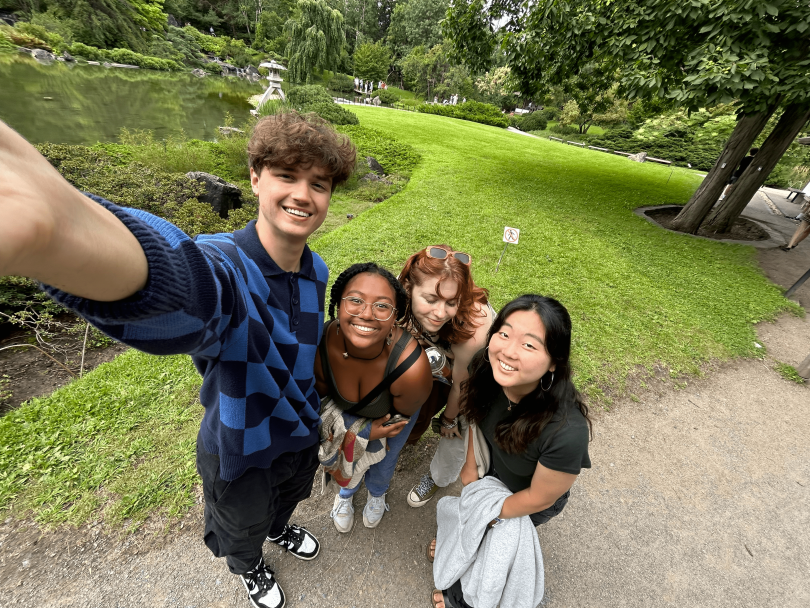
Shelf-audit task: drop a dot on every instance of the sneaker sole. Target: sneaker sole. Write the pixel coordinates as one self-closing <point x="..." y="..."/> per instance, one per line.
<point x="252" y="603"/>
<point x="416" y="504"/>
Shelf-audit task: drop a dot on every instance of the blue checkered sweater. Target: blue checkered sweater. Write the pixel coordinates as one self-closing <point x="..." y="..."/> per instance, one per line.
<point x="251" y="329"/>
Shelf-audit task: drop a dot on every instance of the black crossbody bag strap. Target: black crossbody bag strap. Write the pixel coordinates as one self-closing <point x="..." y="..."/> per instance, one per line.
<point x="388" y="380"/>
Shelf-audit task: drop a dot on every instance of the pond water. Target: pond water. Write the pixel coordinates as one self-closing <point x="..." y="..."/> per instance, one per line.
<point x="84" y="104"/>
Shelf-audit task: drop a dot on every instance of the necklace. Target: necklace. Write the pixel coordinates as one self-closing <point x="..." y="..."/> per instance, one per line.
<point x="346" y="354"/>
<point x="511" y="403"/>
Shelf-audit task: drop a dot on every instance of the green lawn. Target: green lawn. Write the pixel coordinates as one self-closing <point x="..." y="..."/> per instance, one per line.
<point x="121" y="438"/>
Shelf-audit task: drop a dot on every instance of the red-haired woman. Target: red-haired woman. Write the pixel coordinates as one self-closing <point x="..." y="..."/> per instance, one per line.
<point x="450" y="316"/>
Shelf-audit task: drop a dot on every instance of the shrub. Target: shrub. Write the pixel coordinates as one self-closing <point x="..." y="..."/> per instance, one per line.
<point x="535" y="121"/>
<point x="551" y="112"/>
<point x="123" y="56"/>
<point x="305" y="95"/>
<point x="392" y="154"/>
<point x="334" y="113"/>
<point x="473" y="111"/>
<point x="341" y="83"/>
<point x="387" y="97"/>
<point x="54" y="40"/>
<point x="25" y="40"/>
<point x="6" y="45"/>
<point x="564" y="130"/>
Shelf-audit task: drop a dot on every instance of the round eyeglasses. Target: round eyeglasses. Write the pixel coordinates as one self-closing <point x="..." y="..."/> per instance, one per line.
<point x="440" y="253"/>
<point x="382" y="311"/>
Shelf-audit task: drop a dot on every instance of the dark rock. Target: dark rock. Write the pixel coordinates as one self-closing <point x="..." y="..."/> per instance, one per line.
<point x="374" y="165"/>
<point x="9" y="18"/>
<point x="67" y="56"/>
<point x="221" y="195"/>
<point x="172" y="21"/>
<point x="42" y="55"/>
<point x="252" y="70"/>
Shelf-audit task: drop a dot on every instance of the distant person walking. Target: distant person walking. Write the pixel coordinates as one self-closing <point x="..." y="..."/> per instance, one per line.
<point x="803" y="229"/>
<point x="744" y="163"/>
<point x="211" y="30"/>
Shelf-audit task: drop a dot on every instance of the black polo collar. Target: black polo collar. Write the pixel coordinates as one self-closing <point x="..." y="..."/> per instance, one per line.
<point x="248" y="240"/>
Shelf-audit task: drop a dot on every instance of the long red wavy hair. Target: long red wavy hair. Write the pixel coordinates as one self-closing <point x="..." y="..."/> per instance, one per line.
<point x="420" y="267"/>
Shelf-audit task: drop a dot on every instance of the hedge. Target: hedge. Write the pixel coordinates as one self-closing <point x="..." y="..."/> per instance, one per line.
<point x="474" y="111"/>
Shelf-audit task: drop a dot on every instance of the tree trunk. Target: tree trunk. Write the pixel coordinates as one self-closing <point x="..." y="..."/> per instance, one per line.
<point x="748" y="128"/>
<point x="786" y="130"/>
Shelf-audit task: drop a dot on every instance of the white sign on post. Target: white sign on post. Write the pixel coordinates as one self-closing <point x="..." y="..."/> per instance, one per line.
<point x="511" y="235"/>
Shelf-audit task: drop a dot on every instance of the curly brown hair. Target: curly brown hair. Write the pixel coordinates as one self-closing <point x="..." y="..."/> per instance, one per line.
<point x="290" y="139"/>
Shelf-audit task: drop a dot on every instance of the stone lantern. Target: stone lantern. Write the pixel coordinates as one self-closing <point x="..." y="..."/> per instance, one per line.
<point x="274" y="89"/>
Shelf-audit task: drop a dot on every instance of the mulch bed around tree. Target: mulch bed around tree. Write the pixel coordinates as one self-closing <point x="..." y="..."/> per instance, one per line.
<point x="742" y="230"/>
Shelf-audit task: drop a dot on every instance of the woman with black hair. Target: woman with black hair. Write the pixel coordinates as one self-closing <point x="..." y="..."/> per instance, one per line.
<point x="376" y="374"/>
<point x="520" y="395"/>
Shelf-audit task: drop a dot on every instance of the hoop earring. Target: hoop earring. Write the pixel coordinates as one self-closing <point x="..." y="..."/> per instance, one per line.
<point x="390" y="337"/>
<point x="549" y="384"/>
<point x="486" y="352"/>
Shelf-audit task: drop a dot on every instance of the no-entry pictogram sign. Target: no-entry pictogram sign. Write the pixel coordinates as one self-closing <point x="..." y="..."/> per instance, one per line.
<point x="511" y="235"/>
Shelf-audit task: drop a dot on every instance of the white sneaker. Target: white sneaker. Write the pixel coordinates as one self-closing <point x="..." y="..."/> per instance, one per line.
<point x="374" y="510"/>
<point x="343" y="514"/>
<point x="262" y="587"/>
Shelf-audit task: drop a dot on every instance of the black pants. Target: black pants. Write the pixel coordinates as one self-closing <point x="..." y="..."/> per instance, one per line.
<point x="240" y="514"/>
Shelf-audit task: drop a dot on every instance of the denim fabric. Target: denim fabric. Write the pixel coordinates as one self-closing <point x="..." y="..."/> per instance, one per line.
<point x="379" y="475"/>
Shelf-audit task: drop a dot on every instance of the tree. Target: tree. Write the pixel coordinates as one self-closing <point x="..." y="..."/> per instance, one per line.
<point x="414" y="23"/>
<point x="371" y="61"/>
<point x="431" y="73"/>
<point x="316" y="39"/>
<point x="696" y="53"/>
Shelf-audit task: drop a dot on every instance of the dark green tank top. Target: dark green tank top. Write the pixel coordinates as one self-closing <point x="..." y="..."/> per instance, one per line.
<point x="384" y="402"/>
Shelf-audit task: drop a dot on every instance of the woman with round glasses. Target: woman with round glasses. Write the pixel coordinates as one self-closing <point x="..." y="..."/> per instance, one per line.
<point x="450" y="315"/>
<point x="359" y="350"/>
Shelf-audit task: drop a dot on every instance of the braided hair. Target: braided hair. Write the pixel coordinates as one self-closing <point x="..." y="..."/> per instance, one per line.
<point x="400" y="295"/>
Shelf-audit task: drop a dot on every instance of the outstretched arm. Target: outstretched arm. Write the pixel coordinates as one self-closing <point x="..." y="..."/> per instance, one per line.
<point x="51" y="232"/>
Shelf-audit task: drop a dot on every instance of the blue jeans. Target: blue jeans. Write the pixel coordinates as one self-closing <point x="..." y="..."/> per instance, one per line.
<point x="379" y="475"/>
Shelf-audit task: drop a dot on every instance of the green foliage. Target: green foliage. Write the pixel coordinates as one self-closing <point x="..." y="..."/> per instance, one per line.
<point x="51" y="39"/>
<point x="302" y="96"/>
<point x="123" y="56"/>
<point x="54" y="21"/>
<point x="341" y="83"/>
<point x="371" y="61"/>
<point x="334" y="113"/>
<point x="315" y="98"/>
<point x="431" y="73"/>
<point x="415" y="23"/>
<point x="788" y="372"/>
<point x="316" y="39"/>
<point x="472" y="110"/>
<point x="6" y="44"/>
<point x="394" y="156"/>
<point x="697" y="53"/>
<point x="387" y="97"/>
<point x="19" y="38"/>
<point x="18" y="294"/>
<point x="536" y="121"/>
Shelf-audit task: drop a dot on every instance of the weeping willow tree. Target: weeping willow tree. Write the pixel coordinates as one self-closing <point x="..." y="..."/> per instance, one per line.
<point x="316" y="39"/>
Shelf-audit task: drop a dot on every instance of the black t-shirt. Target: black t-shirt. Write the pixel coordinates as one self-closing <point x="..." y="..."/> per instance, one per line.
<point x="560" y="447"/>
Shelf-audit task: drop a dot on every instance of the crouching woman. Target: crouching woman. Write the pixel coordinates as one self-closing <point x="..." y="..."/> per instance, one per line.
<point x="534" y="422"/>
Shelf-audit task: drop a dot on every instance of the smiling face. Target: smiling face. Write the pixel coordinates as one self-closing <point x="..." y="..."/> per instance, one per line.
<point x="432" y="310"/>
<point x="293" y="202"/>
<point x="365" y="331"/>
<point x="518" y="355"/>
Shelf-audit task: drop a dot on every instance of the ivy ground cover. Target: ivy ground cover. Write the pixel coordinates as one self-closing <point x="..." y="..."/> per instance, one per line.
<point x="118" y="444"/>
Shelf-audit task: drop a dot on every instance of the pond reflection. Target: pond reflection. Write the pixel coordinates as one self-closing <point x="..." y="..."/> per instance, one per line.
<point x="83" y="104"/>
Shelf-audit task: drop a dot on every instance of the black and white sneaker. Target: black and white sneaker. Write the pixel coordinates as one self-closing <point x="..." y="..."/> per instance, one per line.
<point x="262" y="587"/>
<point x="298" y="541"/>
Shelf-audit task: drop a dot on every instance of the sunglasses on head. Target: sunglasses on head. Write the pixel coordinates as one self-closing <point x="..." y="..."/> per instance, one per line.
<point x="440" y="253"/>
